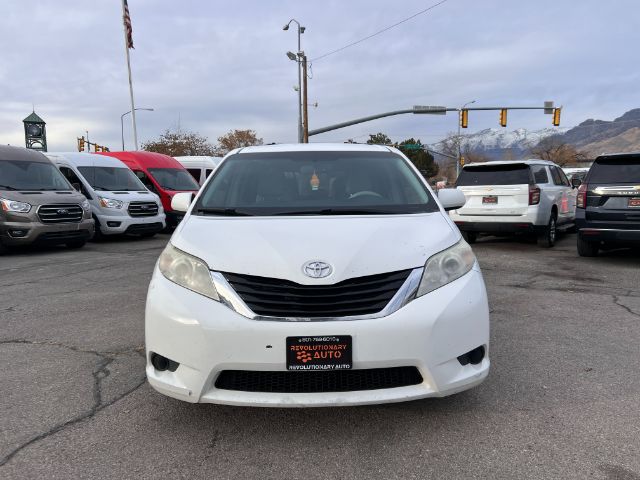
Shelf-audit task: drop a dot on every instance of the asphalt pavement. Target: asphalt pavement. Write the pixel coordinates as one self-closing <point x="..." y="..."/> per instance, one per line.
<point x="562" y="399"/>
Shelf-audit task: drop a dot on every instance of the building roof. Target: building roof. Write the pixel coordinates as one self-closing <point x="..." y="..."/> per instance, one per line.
<point x="33" y="118"/>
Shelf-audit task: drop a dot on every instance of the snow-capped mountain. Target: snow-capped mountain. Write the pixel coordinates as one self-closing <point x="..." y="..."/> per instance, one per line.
<point x="520" y="139"/>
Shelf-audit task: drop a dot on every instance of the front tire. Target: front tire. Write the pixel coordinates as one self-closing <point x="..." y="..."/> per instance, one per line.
<point x="586" y="248"/>
<point x="547" y="238"/>
<point x="76" y="244"/>
<point x="470" y="237"/>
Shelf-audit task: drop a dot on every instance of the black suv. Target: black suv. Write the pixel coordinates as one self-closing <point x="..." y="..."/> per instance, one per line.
<point x="608" y="204"/>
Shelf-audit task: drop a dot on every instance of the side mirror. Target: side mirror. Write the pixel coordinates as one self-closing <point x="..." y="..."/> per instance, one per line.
<point x="181" y="201"/>
<point x="77" y="186"/>
<point x="451" y="198"/>
<point x="576" y="182"/>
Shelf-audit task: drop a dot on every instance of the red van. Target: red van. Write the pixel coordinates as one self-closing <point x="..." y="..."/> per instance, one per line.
<point x="161" y="174"/>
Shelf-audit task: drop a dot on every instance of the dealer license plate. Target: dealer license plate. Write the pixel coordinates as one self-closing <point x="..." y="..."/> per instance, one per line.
<point x="634" y="202"/>
<point x="332" y="352"/>
<point x="491" y="200"/>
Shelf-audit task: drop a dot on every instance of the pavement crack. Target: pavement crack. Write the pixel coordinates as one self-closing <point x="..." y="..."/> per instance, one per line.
<point x="75" y="348"/>
<point x="616" y="300"/>
<point x="99" y="373"/>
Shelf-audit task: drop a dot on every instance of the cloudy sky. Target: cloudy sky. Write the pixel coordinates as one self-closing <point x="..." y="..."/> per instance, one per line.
<point x="214" y="66"/>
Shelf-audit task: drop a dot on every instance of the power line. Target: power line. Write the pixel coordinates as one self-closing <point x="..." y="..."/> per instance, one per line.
<point x="380" y="31"/>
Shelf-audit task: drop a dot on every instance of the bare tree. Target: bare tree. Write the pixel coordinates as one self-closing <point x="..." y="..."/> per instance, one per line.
<point x="180" y="143"/>
<point x="555" y="150"/>
<point x="237" y="139"/>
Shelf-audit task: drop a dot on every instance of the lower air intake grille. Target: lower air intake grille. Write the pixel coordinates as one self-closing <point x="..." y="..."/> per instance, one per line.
<point x="318" y="382"/>
<point x="274" y="297"/>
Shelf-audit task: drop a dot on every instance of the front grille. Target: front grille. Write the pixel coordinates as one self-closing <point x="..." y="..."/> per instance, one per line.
<point x="318" y="382"/>
<point x="62" y="236"/>
<point x="144" y="228"/>
<point x="143" y="209"/>
<point x="281" y="298"/>
<point x="60" y="213"/>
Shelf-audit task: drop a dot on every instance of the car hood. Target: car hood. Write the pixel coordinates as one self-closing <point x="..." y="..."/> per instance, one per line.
<point x="279" y="247"/>
<point x="130" y="196"/>
<point x="35" y="197"/>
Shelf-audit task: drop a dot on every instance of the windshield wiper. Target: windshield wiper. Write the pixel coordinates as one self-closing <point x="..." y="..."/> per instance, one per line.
<point x="227" y="212"/>
<point x="332" y="211"/>
<point x="7" y="187"/>
<point x="102" y="189"/>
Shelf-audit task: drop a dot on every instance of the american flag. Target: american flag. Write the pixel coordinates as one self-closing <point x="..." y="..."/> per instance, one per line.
<point x="127" y="24"/>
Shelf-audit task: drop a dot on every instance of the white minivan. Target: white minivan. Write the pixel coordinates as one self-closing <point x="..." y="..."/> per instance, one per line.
<point x="120" y="203"/>
<point x="199" y="166"/>
<point x="316" y="275"/>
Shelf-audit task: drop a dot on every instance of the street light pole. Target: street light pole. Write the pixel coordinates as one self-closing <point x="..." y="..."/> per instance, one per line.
<point x="458" y="137"/>
<point x="301" y="30"/>
<point x="122" y="122"/>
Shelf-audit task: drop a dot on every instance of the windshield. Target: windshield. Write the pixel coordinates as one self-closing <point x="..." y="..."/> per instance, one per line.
<point x="516" y="174"/>
<point x="621" y="170"/>
<point x="112" y="178"/>
<point x="314" y="183"/>
<point x="26" y="175"/>
<point x="174" y="179"/>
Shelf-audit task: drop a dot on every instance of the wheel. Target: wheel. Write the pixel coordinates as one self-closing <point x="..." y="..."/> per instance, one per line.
<point x="76" y="243"/>
<point x="587" y="248"/>
<point x="470" y="237"/>
<point x="97" y="234"/>
<point x="547" y="238"/>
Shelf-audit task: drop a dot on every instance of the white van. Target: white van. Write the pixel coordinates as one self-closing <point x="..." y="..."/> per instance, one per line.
<point x="316" y="275"/>
<point x="200" y="167"/>
<point x="120" y="203"/>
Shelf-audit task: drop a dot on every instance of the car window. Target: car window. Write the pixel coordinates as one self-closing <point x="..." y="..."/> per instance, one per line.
<point x="27" y="175"/>
<point x="556" y="176"/>
<point x="195" y="173"/>
<point x="563" y="177"/>
<point x="174" y="179"/>
<point x="315" y="183"/>
<point x="208" y="172"/>
<point x="540" y="173"/>
<point x="620" y="170"/>
<point x="111" y="178"/>
<point x="504" y="174"/>
<point x="73" y="179"/>
<point x="146" y="181"/>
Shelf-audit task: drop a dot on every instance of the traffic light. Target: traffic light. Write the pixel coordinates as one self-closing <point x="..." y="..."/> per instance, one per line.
<point x="556" y="117"/>
<point x="464" y="118"/>
<point x="462" y="161"/>
<point x="98" y="148"/>
<point x="81" y="144"/>
<point x="503" y="117"/>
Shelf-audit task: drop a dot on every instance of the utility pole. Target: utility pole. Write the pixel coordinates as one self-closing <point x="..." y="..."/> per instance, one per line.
<point x="305" y="107"/>
<point x="293" y="57"/>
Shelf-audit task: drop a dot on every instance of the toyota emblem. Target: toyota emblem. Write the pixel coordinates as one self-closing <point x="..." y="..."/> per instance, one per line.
<point x="315" y="269"/>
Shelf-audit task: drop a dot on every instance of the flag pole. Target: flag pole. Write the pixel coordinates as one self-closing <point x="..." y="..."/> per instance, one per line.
<point x="125" y="15"/>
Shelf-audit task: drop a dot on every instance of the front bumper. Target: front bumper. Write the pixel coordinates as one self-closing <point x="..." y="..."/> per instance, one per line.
<point x="15" y="233"/>
<point x="498" y="227"/>
<point x="205" y="337"/>
<point x="120" y="224"/>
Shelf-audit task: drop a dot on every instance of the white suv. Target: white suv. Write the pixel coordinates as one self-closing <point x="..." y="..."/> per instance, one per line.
<point x="316" y="275"/>
<point x="529" y="196"/>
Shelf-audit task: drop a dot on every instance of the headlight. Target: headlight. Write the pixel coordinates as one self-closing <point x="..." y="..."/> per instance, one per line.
<point x="85" y="205"/>
<point x="13" y="206"/>
<point x="110" y="203"/>
<point x="446" y="266"/>
<point x="187" y="271"/>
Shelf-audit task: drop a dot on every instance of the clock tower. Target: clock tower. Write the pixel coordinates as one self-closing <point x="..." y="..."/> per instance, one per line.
<point x="35" y="133"/>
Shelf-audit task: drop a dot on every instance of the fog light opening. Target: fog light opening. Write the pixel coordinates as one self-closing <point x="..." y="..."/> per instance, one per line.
<point x="18" y="232"/>
<point x="161" y="363"/>
<point x="113" y="224"/>
<point x="473" y="357"/>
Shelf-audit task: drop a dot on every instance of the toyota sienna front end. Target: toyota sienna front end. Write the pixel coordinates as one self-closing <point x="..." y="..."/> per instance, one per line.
<point x="316" y="275"/>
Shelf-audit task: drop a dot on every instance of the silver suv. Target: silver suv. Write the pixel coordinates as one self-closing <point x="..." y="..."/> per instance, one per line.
<point x="529" y="196"/>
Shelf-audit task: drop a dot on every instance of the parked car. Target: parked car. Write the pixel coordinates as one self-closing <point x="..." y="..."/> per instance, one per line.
<point x="574" y="172"/>
<point x="529" y="196"/>
<point x="608" y="211"/>
<point x="120" y="203"/>
<point x="316" y="274"/>
<point x="161" y="174"/>
<point x="200" y="167"/>
<point x="37" y="204"/>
